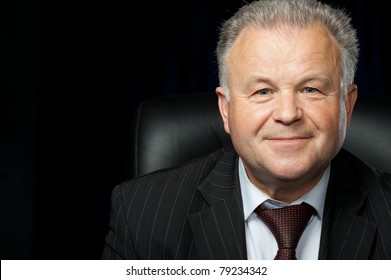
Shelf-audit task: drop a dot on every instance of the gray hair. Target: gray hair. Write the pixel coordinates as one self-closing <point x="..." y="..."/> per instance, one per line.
<point x="271" y="14"/>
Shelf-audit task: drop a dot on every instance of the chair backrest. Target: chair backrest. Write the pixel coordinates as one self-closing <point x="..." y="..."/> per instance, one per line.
<point x="170" y="130"/>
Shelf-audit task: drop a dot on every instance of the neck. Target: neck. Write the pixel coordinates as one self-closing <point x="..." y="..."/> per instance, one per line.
<point x="286" y="191"/>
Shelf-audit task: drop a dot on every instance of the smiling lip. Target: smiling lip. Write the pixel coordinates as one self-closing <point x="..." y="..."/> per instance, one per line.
<point x="288" y="140"/>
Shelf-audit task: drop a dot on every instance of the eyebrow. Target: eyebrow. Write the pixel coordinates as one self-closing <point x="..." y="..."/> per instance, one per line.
<point x="251" y="81"/>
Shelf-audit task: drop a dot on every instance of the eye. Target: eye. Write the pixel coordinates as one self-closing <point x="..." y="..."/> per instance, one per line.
<point x="262" y="95"/>
<point x="264" y="91"/>
<point x="310" y="90"/>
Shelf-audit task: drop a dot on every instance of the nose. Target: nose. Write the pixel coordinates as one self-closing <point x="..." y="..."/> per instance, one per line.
<point x="287" y="108"/>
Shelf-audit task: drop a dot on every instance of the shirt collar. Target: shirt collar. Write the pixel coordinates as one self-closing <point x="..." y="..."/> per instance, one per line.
<point x="252" y="196"/>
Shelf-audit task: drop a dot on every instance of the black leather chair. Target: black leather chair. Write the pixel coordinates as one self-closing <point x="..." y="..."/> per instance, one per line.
<point x="170" y="130"/>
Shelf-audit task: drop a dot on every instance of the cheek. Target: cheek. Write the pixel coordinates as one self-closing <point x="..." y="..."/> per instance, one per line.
<point x="329" y="120"/>
<point x="247" y="119"/>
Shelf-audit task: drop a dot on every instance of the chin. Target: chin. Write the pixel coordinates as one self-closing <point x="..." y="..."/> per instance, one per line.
<point x="292" y="177"/>
<point x="291" y="172"/>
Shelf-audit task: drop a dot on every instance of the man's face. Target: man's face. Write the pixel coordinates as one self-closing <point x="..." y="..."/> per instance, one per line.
<point x="286" y="114"/>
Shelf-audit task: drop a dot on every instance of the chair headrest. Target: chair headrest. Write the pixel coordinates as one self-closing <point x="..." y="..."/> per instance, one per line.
<point x="369" y="134"/>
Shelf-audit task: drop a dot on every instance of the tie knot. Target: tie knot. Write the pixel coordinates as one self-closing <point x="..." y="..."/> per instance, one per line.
<point x="287" y="225"/>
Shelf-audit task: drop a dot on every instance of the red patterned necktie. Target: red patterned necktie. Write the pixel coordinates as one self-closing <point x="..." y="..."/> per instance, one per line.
<point x="287" y="225"/>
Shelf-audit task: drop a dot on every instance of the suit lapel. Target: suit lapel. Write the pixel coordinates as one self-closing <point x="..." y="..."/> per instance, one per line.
<point x="218" y="229"/>
<point x="345" y="234"/>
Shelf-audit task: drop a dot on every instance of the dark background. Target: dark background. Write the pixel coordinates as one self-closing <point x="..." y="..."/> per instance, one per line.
<point x="73" y="74"/>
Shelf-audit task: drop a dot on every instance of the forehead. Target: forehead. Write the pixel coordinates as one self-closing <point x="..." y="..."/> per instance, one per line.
<point x="284" y="44"/>
<point x="286" y="57"/>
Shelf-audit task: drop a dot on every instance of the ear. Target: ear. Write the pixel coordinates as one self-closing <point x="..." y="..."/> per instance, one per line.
<point x="223" y="107"/>
<point x="350" y="102"/>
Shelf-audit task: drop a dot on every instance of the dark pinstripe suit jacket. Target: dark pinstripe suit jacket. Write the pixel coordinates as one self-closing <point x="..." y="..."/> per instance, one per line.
<point x="195" y="212"/>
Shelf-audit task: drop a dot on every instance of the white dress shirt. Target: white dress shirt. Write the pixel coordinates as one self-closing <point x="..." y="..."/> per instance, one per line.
<point x="260" y="242"/>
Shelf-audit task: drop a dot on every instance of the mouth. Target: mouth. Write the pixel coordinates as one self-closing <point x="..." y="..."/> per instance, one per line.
<point x="289" y="141"/>
<point x="288" y="138"/>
